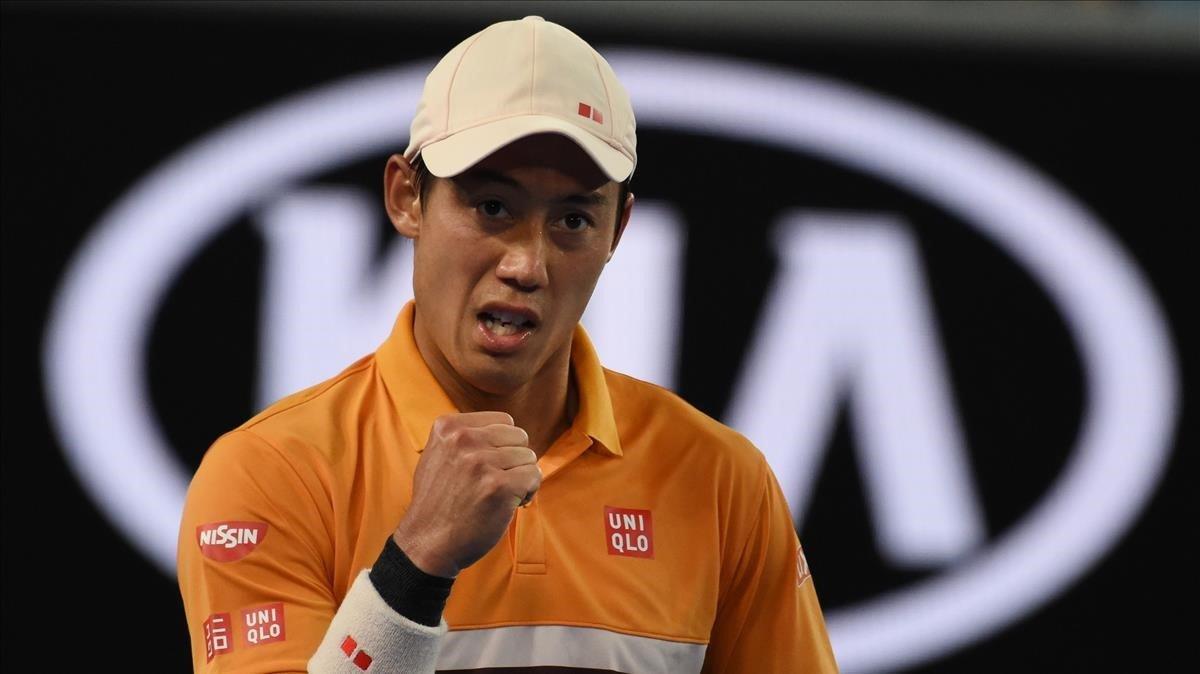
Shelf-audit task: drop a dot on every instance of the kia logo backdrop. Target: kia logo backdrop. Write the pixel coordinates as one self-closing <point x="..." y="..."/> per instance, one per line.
<point x="943" y="289"/>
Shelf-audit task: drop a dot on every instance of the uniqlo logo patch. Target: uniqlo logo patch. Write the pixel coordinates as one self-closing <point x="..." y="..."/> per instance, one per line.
<point x="263" y="624"/>
<point x="629" y="532"/>
<point x="216" y="636"/>
<point x="229" y="541"/>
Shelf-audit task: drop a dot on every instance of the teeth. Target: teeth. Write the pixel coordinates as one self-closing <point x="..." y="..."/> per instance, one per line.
<point x="501" y="328"/>
<point x="507" y="317"/>
<point x="505" y="320"/>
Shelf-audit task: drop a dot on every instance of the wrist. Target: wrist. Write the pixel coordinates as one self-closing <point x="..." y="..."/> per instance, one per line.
<point x="408" y="590"/>
<point x="422" y="556"/>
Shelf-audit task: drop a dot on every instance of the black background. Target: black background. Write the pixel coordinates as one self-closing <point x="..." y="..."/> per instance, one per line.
<point x="94" y="98"/>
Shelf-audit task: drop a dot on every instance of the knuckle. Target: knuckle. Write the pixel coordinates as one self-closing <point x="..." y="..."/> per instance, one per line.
<point x="490" y="483"/>
<point x="443" y="425"/>
<point x="459" y="436"/>
<point x="476" y="462"/>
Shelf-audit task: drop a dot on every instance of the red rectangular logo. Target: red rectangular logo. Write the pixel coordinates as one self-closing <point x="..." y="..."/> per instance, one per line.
<point x="629" y="532"/>
<point x="216" y="636"/>
<point x="263" y="624"/>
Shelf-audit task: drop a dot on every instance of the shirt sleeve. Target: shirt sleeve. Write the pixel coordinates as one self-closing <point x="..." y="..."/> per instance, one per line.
<point x="769" y="619"/>
<point x="253" y="562"/>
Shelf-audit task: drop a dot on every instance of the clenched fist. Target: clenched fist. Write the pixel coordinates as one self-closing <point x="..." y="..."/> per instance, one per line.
<point x="475" y="470"/>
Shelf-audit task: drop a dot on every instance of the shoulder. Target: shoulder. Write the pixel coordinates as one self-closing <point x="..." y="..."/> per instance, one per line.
<point x="317" y="403"/>
<point x="316" y="419"/>
<point x="297" y="437"/>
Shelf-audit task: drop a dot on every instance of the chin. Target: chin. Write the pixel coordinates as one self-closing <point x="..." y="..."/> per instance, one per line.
<point x="498" y="375"/>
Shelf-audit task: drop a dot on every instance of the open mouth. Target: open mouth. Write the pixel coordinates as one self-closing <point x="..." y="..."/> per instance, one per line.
<point x="504" y="323"/>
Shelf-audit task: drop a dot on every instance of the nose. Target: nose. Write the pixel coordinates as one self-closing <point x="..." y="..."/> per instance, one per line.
<point x="523" y="264"/>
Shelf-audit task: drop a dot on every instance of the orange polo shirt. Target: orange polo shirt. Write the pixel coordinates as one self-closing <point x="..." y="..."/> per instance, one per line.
<point x="659" y="538"/>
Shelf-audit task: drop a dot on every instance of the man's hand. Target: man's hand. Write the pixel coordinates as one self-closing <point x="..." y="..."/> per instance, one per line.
<point x="475" y="470"/>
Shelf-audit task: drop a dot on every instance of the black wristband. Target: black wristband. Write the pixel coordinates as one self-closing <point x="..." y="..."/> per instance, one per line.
<point x="411" y="592"/>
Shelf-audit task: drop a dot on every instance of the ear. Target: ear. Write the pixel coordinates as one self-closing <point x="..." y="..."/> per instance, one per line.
<point x="626" y="210"/>
<point x="400" y="196"/>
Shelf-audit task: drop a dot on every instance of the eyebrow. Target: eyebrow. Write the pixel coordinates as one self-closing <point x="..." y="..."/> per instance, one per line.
<point x="487" y="175"/>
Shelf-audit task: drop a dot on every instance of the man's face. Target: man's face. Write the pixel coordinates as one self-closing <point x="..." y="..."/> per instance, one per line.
<point x="507" y="255"/>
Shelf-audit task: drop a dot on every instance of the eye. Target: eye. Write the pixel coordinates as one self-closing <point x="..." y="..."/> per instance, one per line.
<point x="492" y="208"/>
<point x="576" y="222"/>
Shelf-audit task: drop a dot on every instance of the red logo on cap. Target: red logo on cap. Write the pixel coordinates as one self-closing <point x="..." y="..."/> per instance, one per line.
<point x="629" y="532"/>
<point x="229" y="541"/>
<point x="591" y="113"/>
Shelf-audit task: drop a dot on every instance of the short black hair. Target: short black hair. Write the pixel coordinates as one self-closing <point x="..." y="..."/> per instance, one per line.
<point x="423" y="179"/>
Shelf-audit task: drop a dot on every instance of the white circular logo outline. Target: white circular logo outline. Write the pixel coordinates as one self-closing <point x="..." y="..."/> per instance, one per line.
<point x="97" y="332"/>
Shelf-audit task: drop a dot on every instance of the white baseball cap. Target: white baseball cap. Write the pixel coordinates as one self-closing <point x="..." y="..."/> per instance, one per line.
<point x="514" y="79"/>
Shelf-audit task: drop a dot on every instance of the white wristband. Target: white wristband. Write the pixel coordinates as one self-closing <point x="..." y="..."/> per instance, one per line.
<point x="366" y="632"/>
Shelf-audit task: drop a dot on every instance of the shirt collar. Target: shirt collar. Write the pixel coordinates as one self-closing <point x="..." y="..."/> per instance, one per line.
<point x="420" y="399"/>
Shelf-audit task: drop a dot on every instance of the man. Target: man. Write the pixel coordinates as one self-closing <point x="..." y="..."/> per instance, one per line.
<point x="534" y="510"/>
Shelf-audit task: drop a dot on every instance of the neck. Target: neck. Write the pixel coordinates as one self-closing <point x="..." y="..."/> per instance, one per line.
<point x="544" y="406"/>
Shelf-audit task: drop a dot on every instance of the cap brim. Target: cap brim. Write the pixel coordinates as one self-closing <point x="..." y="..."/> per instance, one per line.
<point x="455" y="154"/>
